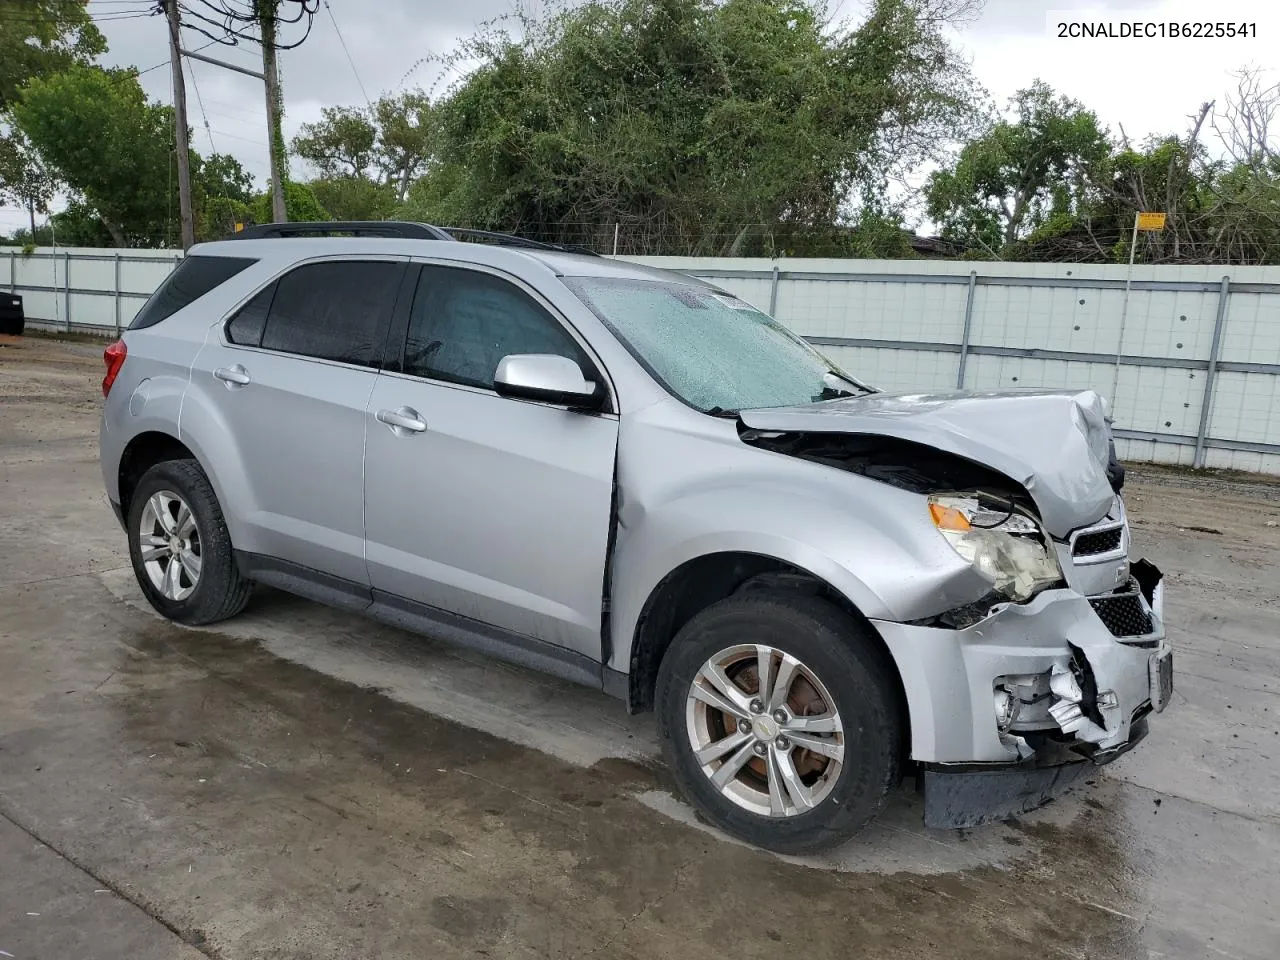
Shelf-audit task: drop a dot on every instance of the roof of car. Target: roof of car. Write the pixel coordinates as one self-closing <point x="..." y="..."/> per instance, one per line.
<point x="512" y="258"/>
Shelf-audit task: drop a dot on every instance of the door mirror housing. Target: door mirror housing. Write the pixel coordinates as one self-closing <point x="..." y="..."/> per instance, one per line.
<point x="547" y="378"/>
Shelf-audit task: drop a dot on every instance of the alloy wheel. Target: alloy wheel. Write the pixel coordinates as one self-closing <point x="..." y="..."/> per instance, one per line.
<point x="764" y="729"/>
<point x="169" y="545"/>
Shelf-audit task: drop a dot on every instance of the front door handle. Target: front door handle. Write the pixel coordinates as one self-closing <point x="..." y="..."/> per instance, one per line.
<point x="234" y="376"/>
<point x="401" y="421"/>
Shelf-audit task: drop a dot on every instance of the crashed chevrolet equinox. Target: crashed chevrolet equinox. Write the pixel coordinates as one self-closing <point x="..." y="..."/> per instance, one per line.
<point x="635" y="480"/>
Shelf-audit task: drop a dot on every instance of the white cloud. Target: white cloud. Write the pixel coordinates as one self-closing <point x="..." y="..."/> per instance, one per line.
<point x="1148" y="85"/>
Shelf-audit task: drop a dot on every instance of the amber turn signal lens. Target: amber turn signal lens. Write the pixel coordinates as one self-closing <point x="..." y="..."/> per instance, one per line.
<point x="948" y="518"/>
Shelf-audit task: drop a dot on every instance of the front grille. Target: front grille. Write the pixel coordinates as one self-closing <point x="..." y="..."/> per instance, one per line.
<point x="1123" y="614"/>
<point x="1099" y="541"/>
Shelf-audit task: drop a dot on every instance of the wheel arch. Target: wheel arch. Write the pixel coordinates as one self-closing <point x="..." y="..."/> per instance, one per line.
<point x="143" y="452"/>
<point x="150" y="447"/>
<point x="703" y="580"/>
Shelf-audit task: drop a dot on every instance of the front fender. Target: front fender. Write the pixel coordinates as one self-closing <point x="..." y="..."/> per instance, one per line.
<point x="873" y="543"/>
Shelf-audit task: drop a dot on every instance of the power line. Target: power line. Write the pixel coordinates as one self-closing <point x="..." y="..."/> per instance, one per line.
<point x="238" y="110"/>
<point x="233" y="24"/>
<point x="109" y="17"/>
<point x="223" y="133"/>
<point x="338" y="31"/>
<point x="191" y="67"/>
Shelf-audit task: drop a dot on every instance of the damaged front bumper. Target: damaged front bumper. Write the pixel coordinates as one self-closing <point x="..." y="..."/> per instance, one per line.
<point x="1010" y="711"/>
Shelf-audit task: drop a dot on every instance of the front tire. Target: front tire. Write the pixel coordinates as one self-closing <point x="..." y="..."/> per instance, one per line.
<point x="779" y="721"/>
<point x="180" y="548"/>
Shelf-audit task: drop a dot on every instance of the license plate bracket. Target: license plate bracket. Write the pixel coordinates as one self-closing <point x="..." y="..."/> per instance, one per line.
<point x="1161" y="672"/>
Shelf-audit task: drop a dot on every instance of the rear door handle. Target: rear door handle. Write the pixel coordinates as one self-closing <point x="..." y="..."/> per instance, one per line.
<point x="233" y="376"/>
<point x="404" y="419"/>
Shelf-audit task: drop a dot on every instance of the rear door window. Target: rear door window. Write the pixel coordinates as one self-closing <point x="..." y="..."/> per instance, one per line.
<point x="335" y="310"/>
<point x="191" y="280"/>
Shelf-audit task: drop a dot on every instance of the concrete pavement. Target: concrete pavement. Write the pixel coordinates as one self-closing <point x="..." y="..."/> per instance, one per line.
<point x="302" y="783"/>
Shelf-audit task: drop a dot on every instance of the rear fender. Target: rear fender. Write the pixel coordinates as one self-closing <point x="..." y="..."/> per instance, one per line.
<point x="206" y="433"/>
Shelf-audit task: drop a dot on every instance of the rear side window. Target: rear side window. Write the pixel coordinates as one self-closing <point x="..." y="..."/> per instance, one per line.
<point x="332" y="311"/>
<point x="246" y="327"/>
<point x="193" y="278"/>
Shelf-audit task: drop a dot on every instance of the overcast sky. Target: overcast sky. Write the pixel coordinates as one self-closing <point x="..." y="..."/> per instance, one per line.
<point x="1148" y="85"/>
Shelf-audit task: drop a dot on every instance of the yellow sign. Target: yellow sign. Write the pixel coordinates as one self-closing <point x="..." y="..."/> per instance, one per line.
<point x="239" y="227"/>
<point x="1151" y="221"/>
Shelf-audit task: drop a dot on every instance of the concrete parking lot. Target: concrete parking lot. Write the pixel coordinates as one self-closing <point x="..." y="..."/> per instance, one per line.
<point x="302" y="783"/>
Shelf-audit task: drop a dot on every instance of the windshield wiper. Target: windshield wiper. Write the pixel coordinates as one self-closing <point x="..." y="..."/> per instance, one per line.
<point x="832" y="392"/>
<point x="720" y="412"/>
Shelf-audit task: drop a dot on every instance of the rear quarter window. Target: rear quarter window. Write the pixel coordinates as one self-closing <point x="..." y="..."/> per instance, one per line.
<point x="193" y="278"/>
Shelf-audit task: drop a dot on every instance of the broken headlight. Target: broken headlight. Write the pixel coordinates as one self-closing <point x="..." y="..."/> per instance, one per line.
<point x="1004" y="545"/>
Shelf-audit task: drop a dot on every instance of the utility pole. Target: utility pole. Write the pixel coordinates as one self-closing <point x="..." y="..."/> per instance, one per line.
<point x="180" y="124"/>
<point x="266" y="10"/>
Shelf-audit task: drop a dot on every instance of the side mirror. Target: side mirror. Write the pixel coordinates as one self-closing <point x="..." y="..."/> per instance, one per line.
<point x="547" y="378"/>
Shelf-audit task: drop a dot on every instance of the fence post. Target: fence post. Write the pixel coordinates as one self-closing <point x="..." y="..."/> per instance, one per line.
<point x="773" y="293"/>
<point x="1206" y="405"/>
<point x="117" y="295"/>
<point x="66" y="286"/>
<point x="968" y="325"/>
<point x="13" y="271"/>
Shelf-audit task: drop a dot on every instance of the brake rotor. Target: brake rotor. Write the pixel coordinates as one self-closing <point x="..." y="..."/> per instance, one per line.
<point x="802" y="700"/>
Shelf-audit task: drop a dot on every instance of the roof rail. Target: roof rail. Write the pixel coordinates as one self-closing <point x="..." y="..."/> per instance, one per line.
<point x="511" y="240"/>
<point x="403" y="229"/>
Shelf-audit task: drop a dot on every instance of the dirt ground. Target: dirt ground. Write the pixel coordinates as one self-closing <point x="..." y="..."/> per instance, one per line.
<point x="302" y="783"/>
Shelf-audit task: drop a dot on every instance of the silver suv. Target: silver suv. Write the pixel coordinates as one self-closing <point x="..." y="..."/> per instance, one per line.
<point x="635" y="480"/>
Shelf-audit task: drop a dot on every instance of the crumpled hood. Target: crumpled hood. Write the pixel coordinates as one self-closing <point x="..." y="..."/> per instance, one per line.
<point x="1054" y="443"/>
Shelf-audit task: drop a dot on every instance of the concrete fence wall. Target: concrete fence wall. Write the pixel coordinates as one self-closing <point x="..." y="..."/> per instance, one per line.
<point x="1199" y="347"/>
<point x="1199" y="369"/>
<point x="89" y="289"/>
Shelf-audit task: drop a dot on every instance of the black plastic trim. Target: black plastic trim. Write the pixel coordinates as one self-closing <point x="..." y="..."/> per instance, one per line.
<point x="593" y="401"/>
<point x="961" y="799"/>
<point x="430" y="621"/>
<point x="615" y="683"/>
<point x="511" y="240"/>
<point x="401" y="312"/>
<point x="486" y="638"/>
<point x="400" y="229"/>
<point x="303" y="581"/>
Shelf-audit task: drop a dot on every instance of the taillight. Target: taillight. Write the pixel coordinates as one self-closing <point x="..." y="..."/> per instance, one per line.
<point x="113" y="357"/>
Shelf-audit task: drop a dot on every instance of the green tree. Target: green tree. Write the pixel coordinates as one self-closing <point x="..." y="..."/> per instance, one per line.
<point x="405" y="141"/>
<point x="221" y="175"/>
<point x="695" y="126"/>
<point x="23" y="178"/>
<point x="1037" y="170"/>
<point x="340" y="144"/>
<point x="354" y="198"/>
<point x="42" y="37"/>
<point x="80" y="226"/>
<point x="222" y="191"/>
<point x="299" y="202"/>
<point x="389" y="144"/>
<point x="98" y="132"/>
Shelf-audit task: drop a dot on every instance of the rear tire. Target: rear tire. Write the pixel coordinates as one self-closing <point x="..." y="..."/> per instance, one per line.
<point x="180" y="548"/>
<point x="786" y="751"/>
